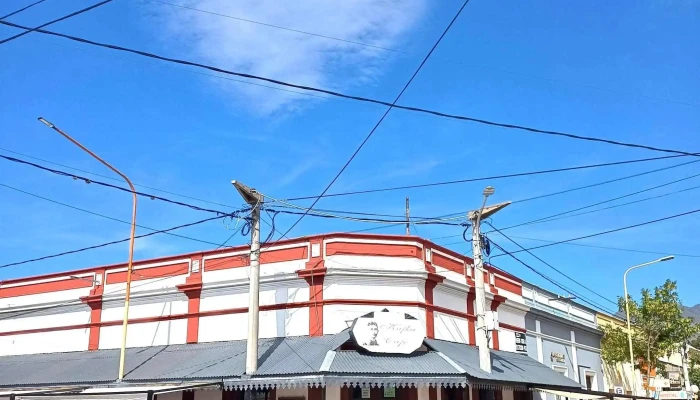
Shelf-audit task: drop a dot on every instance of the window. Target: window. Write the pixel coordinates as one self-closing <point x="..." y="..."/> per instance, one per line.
<point x="591" y="381"/>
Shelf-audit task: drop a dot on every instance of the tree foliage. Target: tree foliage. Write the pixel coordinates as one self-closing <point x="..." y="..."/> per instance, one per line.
<point x="658" y="328"/>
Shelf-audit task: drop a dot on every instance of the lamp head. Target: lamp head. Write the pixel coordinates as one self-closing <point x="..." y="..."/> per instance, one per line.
<point x="667" y="258"/>
<point x="489" y="190"/>
<point x="45" y="122"/>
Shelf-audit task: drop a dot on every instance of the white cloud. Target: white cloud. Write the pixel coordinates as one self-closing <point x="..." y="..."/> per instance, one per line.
<point x="290" y="56"/>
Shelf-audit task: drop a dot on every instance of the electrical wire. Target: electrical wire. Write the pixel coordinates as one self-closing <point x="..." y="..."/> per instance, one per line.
<point x="117" y="179"/>
<point x="554" y="216"/>
<point x="359" y="98"/>
<point x="551" y="266"/>
<point x="391" y="106"/>
<point x="22" y="9"/>
<point x="109" y="243"/>
<point x="109" y="185"/>
<point x="486" y="178"/>
<point x="550" y="280"/>
<point x="65" y="17"/>
<point x="101" y="215"/>
<point x="611" y="230"/>
<point x="453" y="61"/>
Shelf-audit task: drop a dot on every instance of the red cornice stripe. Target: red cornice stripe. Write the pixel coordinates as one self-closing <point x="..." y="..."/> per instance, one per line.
<point x="46" y="287"/>
<point x="149" y="273"/>
<point x="373" y="249"/>
<point x="512" y="327"/>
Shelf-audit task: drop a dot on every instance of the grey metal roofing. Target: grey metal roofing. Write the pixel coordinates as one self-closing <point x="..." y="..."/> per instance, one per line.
<point x="505" y="366"/>
<point x="352" y="362"/>
<point x="278" y="357"/>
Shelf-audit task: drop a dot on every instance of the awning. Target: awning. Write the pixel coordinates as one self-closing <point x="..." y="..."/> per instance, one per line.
<point x="584" y="394"/>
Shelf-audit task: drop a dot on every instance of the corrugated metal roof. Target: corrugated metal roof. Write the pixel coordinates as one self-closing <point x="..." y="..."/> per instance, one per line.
<point x="278" y="357"/>
<point x="505" y="366"/>
<point x="69" y="368"/>
<point x="418" y="364"/>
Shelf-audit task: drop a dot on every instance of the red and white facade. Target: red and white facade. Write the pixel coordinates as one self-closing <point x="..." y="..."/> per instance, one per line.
<point x="309" y="286"/>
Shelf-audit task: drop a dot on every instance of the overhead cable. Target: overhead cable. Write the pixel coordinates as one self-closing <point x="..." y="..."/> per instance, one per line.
<point x="562" y="273"/>
<point x="379" y="122"/>
<point x="548" y="279"/>
<point x="360" y="98"/>
<point x="110" y="243"/>
<point x="22" y="9"/>
<point x="611" y="231"/>
<point x="65" y="17"/>
<point x="102" y="215"/>
<point x="486" y="178"/>
<point x="453" y="61"/>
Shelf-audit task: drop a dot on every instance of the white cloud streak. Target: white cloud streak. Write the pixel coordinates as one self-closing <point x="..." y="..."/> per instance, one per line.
<point x="290" y="56"/>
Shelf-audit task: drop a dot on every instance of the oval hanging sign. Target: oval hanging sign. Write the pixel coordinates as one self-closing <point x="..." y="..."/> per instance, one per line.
<point x="388" y="332"/>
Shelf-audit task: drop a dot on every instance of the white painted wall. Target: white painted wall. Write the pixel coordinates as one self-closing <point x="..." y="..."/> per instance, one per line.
<point x="62" y="296"/>
<point x="46" y="342"/>
<point x="170" y="396"/>
<point x="145" y="334"/>
<point x="375" y="263"/>
<point x="373" y="288"/>
<point x="332" y="393"/>
<point x="506" y="340"/>
<point x="451" y="328"/>
<point x="452" y="299"/>
<point x="450" y="275"/>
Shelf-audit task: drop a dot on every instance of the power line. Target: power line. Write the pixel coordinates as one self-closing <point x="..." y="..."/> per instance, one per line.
<point x="116" y="179"/>
<point x="551" y="266"/>
<point x="359" y="98"/>
<point x="581" y="188"/>
<point x="87" y="180"/>
<point x="676" y="254"/>
<point x="65" y="17"/>
<point x="101" y="215"/>
<point x="554" y="216"/>
<point x="110" y="243"/>
<point x="548" y="279"/>
<point x="418" y="55"/>
<point x="514" y="175"/>
<point x="611" y="230"/>
<point x="22" y="9"/>
<point x="391" y="106"/>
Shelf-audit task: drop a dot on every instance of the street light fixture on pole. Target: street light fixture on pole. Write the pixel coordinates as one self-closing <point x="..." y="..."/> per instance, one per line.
<point x="254" y="199"/>
<point x="627" y="312"/>
<point x="122" y="354"/>
<point x="480" y="298"/>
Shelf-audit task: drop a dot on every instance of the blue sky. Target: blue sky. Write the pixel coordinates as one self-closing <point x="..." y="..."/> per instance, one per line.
<point x="620" y="70"/>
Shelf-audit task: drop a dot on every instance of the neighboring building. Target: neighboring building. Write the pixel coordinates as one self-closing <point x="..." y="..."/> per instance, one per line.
<point x="620" y="376"/>
<point x="564" y="336"/>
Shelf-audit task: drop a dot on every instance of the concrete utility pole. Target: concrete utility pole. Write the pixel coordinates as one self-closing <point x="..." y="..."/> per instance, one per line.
<point x="480" y="300"/>
<point x="408" y="218"/>
<point x="684" y="357"/>
<point x="254" y="199"/>
<point x="129" y="268"/>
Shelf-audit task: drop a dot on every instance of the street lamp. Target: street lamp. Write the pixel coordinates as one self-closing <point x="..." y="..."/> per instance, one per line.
<point x="627" y="312"/>
<point x="129" y="269"/>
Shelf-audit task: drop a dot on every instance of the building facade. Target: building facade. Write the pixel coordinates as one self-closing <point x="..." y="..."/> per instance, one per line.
<point x="564" y="336"/>
<point x="309" y="287"/>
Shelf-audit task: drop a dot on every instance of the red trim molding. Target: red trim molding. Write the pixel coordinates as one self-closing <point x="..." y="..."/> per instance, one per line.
<point x="46" y="287"/>
<point x="94" y="301"/>
<point x="430" y="283"/>
<point x="192" y="288"/>
<point x="314" y="275"/>
<point x="374" y="249"/>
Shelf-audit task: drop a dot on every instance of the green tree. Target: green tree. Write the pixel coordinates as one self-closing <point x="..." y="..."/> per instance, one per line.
<point x="658" y="328"/>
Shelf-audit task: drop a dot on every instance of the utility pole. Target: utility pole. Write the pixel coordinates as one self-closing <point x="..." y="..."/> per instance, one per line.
<point x="254" y="199"/>
<point x="480" y="299"/>
<point x="684" y="357"/>
<point x="408" y="218"/>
